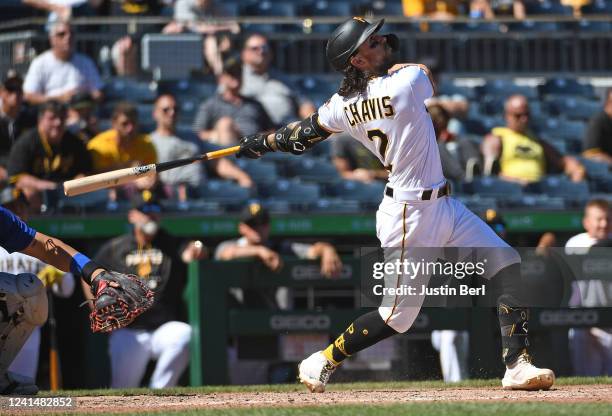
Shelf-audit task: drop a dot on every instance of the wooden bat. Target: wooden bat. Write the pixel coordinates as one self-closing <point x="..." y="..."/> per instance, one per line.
<point x="121" y="176"/>
<point x="55" y="373"/>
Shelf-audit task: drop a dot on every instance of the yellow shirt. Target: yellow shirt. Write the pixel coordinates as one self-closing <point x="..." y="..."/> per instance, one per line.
<point x="522" y="156"/>
<point x="107" y="155"/>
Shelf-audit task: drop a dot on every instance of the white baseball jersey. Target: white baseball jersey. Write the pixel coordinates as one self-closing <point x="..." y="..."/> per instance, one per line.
<point x="391" y="120"/>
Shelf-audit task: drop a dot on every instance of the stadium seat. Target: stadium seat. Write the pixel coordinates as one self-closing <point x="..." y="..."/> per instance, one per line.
<point x="271" y="8"/>
<point x="503" y="88"/>
<point x="260" y="171"/>
<point x="537" y="202"/>
<point x="547" y="7"/>
<point x="292" y="191"/>
<point x="328" y="8"/>
<point x="566" y="86"/>
<point x="584" y="25"/>
<point x="16" y="9"/>
<point x="572" y="107"/>
<point x="336" y="205"/>
<point x="189" y="88"/>
<point x="478" y="26"/>
<point x="603" y="183"/>
<point x="533" y="26"/>
<point x="89" y="202"/>
<point x="594" y="168"/>
<point x="382" y="7"/>
<point x="450" y="88"/>
<point x="201" y="206"/>
<point x="597" y="7"/>
<point x="560" y="186"/>
<point x="365" y="193"/>
<point x="313" y="169"/>
<point x="477" y="203"/>
<point x="129" y="89"/>
<point x="493" y="187"/>
<point x="226" y="193"/>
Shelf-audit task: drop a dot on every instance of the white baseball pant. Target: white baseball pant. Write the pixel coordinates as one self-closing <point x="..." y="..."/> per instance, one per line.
<point x="131" y="349"/>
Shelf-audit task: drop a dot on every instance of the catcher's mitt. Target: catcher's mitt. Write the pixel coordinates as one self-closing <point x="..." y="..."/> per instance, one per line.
<point x="118" y="299"/>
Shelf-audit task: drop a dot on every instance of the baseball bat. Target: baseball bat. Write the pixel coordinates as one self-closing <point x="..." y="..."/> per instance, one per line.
<point x="125" y="175"/>
<point x="55" y="374"/>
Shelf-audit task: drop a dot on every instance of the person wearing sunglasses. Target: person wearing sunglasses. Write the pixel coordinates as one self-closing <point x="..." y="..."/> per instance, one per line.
<point x="521" y="156"/>
<point x="61" y="72"/>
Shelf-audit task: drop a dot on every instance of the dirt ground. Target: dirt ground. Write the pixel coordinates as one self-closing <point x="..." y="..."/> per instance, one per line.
<point x="148" y="403"/>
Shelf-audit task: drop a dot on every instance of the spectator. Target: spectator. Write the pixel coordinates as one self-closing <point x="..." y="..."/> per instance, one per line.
<point x="598" y="140"/>
<point x="49" y="154"/>
<point x="66" y="9"/>
<point x="59" y="283"/>
<point x="254" y="228"/>
<point x="123" y="145"/>
<point x="481" y="9"/>
<point x="514" y="8"/>
<point x="194" y="16"/>
<point x="82" y="120"/>
<point x="228" y="116"/>
<point x="460" y="157"/>
<point x="522" y="157"/>
<point x="14" y="118"/>
<point x="160" y="333"/>
<point x="170" y="147"/>
<point x="576" y="5"/>
<point x="266" y="85"/>
<point x="60" y="72"/>
<point x="590" y="347"/>
<point x="354" y="162"/>
<point x="435" y="9"/>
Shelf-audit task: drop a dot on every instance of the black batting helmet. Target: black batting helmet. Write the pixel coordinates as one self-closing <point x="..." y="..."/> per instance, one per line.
<point x="347" y="38"/>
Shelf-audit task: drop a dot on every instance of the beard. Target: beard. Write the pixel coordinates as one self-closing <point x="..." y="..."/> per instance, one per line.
<point x="391" y="57"/>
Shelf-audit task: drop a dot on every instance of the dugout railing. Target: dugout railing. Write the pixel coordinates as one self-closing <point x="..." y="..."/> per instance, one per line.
<point x="213" y="322"/>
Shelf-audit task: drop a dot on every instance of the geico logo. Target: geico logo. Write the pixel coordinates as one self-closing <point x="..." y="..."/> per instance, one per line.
<point x="282" y="322"/>
<point x="591" y="266"/>
<point x="313" y="271"/>
<point x="532" y="267"/>
<point x="569" y="317"/>
<point x="421" y="321"/>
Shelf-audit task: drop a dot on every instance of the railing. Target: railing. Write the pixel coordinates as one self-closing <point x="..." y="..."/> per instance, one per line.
<point x="299" y="46"/>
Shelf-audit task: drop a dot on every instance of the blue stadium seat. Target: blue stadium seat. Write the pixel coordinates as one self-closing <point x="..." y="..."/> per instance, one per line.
<point x="224" y="192"/>
<point x="572" y="107"/>
<point x="382" y="7"/>
<point x="129" y="89"/>
<point x="477" y="203"/>
<point x="571" y="129"/>
<point x="16" y="9"/>
<point x="438" y="27"/>
<point x="328" y="8"/>
<point x="503" y="88"/>
<point x="603" y="183"/>
<point x="597" y="7"/>
<point x="271" y="8"/>
<point x="315" y="85"/>
<point x="145" y="113"/>
<point x="584" y="25"/>
<point x="189" y="88"/>
<point x="560" y="186"/>
<point x="450" y="88"/>
<point x="365" y="193"/>
<point x="478" y="26"/>
<point x="567" y="86"/>
<point x="336" y="205"/>
<point x="548" y="7"/>
<point x="594" y="168"/>
<point x="493" y="187"/>
<point x="292" y="191"/>
<point x="533" y="26"/>
<point x="188" y="108"/>
<point x="313" y="169"/>
<point x="260" y="171"/>
<point x="90" y="202"/>
<point x="202" y="206"/>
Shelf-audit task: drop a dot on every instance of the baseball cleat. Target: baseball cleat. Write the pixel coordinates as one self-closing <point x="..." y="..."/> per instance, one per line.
<point x="522" y="375"/>
<point x="314" y="372"/>
<point x="18" y="385"/>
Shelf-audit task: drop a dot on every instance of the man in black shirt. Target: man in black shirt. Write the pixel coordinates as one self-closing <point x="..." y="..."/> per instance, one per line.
<point x="49" y="154"/>
<point x="598" y="140"/>
<point x="14" y="119"/>
<point x="159" y="333"/>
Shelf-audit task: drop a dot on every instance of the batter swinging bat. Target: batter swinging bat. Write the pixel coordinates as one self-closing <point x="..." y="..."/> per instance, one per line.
<point x="121" y="176"/>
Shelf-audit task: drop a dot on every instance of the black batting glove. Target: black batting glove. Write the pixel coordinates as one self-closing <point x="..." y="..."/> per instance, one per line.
<point x="253" y="146"/>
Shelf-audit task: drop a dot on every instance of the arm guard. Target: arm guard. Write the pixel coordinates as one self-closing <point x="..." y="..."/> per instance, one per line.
<point x="300" y="136"/>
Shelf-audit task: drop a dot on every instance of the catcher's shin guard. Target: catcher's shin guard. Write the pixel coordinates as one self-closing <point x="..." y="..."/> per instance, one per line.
<point x="23" y="306"/>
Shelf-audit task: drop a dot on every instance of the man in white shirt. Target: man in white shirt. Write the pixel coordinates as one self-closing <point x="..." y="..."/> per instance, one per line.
<point x="60" y="72"/>
<point x="591" y="348"/>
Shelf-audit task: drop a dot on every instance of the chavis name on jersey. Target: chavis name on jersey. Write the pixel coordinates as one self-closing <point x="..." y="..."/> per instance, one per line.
<point x="369" y="109"/>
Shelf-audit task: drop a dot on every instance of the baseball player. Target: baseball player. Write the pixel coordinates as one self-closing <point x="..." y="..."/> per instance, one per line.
<point x="23" y="301"/>
<point x="381" y="104"/>
<point x="60" y="283"/>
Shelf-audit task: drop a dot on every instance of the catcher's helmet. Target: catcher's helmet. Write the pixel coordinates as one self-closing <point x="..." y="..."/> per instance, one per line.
<point x="347" y="38"/>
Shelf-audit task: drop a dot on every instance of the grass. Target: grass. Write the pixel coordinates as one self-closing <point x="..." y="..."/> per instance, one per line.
<point x="416" y="409"/>
<point x="397" y="385"/>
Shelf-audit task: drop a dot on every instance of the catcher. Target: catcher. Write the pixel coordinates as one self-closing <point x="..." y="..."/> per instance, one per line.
<point x="118" y="298"/>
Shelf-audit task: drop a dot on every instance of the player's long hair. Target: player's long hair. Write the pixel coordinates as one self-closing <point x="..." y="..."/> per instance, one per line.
<point x="355" y="81"/>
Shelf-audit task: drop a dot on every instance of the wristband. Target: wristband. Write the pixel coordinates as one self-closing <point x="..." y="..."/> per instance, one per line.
<point x="83" y="266"/>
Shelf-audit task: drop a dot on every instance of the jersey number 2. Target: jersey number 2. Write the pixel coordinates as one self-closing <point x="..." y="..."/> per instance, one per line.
<point x="382" y="146"/>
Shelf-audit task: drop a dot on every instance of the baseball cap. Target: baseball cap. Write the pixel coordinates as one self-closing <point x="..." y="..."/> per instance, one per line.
<point x="12" y="81"/>
<point x="146" y="202"/>
<point x="254" y="215"/>
<point x="81" y="100"/>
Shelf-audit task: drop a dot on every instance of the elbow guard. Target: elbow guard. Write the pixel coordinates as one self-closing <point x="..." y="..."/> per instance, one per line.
<point x="298" y="137"/>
